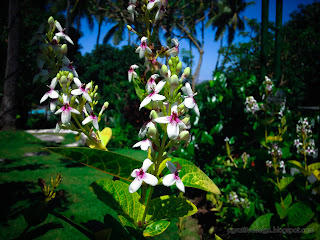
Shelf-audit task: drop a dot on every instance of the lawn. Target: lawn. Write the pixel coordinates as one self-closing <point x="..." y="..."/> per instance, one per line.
<point x="23" y="161"/>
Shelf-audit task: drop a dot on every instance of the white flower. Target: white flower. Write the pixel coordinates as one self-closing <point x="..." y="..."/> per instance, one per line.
<point x="173" y="178"/>
<point x="66" y="110"/>
<point x="61" y="33"/>
<point x="82" y="89"/>
<point x="189" y="101"/>
<point x="268" y="163"/>
<point x="154" y="96"/>
<point x="143" y="48"/>
<point x="151" y="84"/>
<point x="68" y="66"/>
<point x="152" y="3"/>
<point x="141" y="175"/>
<point x="91" y="118"/>
<point x="161" y="4"/>
<point x="174" y="51"/>
<point x="132" y="73"/>
<point x="144" y="145"/>
<point x="53" y="104"/>
<point x="144" y="129"/>
<point x="51" y="93"/>
<point x="174" y="123"/>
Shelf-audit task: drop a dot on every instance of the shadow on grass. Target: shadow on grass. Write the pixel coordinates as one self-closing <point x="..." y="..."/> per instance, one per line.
<point x="68" y="163"/>
<point x="35" y="166"/>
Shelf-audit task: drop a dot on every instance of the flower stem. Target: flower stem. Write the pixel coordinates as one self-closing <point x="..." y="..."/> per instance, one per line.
<point x="147" y="206"/>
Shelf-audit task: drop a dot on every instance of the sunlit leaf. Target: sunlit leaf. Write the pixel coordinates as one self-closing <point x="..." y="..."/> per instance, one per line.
<point x="192" y="176"/>
<point x="105" y="135"/>
<point x="299" y="214"/>
<point x="112" y="163"/>
<point x="262" y="222"/>
<point x="284" y="182"/>
<point x="156" y="228"/>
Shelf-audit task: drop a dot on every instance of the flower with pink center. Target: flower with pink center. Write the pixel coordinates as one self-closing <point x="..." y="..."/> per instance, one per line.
<point x="132" y="10"/>
<point x="153" y="95"/>
<point x="189" y="101"/>
<point x="161" y="4"/>
<point x="61" y="33"/>
<point x="143" y="48"/>
<point x="141" y="175"/>
<point x="173" y="178"/>
<point x="132" y="73"/>
<point x="91" y="118"/>
<point x="144" y="145"/>
<point x="53" y="94"/>
<point x="66" y="110"/>
<point x="82" y="90"/>
<point x="173" y="121"/>
<point x="68" y="66"/>
<point x="151" y="84"/>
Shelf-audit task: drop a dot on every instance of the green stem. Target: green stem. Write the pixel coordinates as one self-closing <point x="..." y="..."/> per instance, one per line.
<point x="278" y="183"/>
<point x="147" y="206"/>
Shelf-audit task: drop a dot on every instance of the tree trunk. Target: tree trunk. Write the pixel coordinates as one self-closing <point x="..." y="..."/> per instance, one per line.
<point x="99" y="31"/>
<point x="68" y="18"/>
<point x="218" y="59"/>
<point x="8" y="105"/>
<point x="278" y="43"/>
<point x="264" y="38"/>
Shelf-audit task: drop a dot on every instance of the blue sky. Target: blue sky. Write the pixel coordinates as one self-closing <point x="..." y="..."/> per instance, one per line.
<point x="88" y="40"/>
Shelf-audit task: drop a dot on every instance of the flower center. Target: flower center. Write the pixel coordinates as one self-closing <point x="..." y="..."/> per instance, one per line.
<point x="140" y="173"/>
<point x="176" y="175"/>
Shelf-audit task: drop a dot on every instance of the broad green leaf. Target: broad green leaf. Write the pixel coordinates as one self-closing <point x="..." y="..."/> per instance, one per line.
<point x="115" y="195"/>
<point x="314" y="166"/>
<point x="169" y="207"/>
<point x="250" y="211"/>
<point x="287" y="201"/>
<point x="282" y="212"/>
<point x="112" y="163"/>
<point x="284" y="182"/>
<point x="192" y="176"/>
<point x="163" y="165"/>
<point x="216" y="237"/>
<point x="299" y="214"/>
<point x="296" y="163"/>
<point x="262" y="222"/>
<point x="156" y="228"/>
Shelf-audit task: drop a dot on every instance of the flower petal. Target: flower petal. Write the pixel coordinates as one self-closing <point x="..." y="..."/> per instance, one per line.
<point x="53" y="94"/>
<point x="68" y="39"/>
<point x="58" y="26"/>
<point x="150" y="179"/>
<point x="95" y="123"/>
<point x="77" y="82"/>
<point x="189" y="102"/>
<point x="173" y="130"/>
<point x="142" y="52"/>
<point x="196" y="109"/>
<point x="87" y="96"/>
<point x="53" y="83"/>
<point x="45" y="97"/>
<point x="135" y="185"/>
<point x="145" y="145"/>
<point x="145" y="102"/>
<point x="157" y="97"/>
<point x="159" y="86"/>
<point x="76" y="92"/>
<point x="180" y="185"/>
<point x="187" y="90"/>
<point x="65" y="117"/>
<point x="53" y="105"/>
<point x="134" y="172"/>
<point x="129" y="76"/>
<point x="165" y="119"/>
<point x="138" y="144"/>
<point x="74" y="111"/>
<point x="143" y="130"/>
<point x="168" y="180"/>
<point x="86" y="120"/>
<point x="59" y="111"/>
<point x="146" y="164"/>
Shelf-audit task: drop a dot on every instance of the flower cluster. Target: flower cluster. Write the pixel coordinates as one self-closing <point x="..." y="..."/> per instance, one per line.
<point x="251" y="105"/>
<point x="275" y="151"/>
<point x="276" y="154"/>
<point x="234" y="200"/>
<point x="268" y="84"/>
<point x="168" y="95"/>
<point x="76" y="100"/>
<point x="304" y="142"/>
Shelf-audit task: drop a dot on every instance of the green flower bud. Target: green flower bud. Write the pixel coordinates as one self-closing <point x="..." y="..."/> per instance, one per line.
<point x="152" y="132"/>
<point x="95" y="88"/>
<point x="106" y="105"/>
<point x="70" y="76"/>
<point x="64" y="48"/>
<point x="63" y="80"/>
<point x="170" y="63"/>
<point x="186" y="72"/>
<point x="95" y="95"/>
<point x="89" y="85"/>
<point x="153" y="114"/>
<point x="179" y="67"/>
<point x="184" y="135"/>
<point x="164" y="70"/>
<point x="181" y="107"/>
<point x="58" y="76"/>
<point x="186" y="119"/>
<point x="174" y="81"/>
<point x="51" y="21"/>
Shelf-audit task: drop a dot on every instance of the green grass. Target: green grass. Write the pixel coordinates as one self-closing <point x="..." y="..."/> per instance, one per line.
<point x="19" y="189"/>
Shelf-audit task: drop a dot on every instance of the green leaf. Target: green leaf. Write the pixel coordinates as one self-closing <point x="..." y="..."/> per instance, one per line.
<point x="112" y="163"/>
<point x="216" y="237"/>
<point x="115" y="195"/>
<point x="262" y="222"/>
<point x="287" y="201"/>
<point x="299" y="214"/>
<point x="312" y="228"/>
<point x="156" y="228"/>
<point x="250" y="211"/>
<point x="282" y="212"/>
<point x="313" y="166"/>
<point x="284" y="182"/>
<point x="192" y="176"/>
<point x="169" y="207"/>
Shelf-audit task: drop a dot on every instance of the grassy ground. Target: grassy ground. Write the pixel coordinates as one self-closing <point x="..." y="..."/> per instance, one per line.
<point x="18" y="186"/>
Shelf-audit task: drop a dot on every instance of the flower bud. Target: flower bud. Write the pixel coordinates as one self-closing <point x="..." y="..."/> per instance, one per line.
<point x="170" y="63"/>
<point x="186" y="119"/>
<point x="174" y="81"/>
<point x="184" y="135"/>
<point x="179" y="67"/>
<point x="95" y="95"/>
<point x="58" y="76"/>
<point x="164" y="70"/>
<point x="89" y="86"/>
<point x="152" y="132"/>
<point x="51" y="21"/>
<point x="70" y="76"/>
<point x="186" y="72"/>
<point x="153" y="114"/>
<point x="64" y="48"/>
<point x="181" y="107"/>
<point x="73" y="99"/>
<point x="106" y="105"/>
<point x="131" y="29"/>
<point x="63" y="80"/>
<point x="95" y="88"/>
